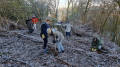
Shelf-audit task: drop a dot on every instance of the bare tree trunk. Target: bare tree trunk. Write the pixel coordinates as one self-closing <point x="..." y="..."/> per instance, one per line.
<point x="115" y="28"/>
<point x="118" y="2"/>
<point x="102" y="27"/>
<point x="2" y="23"/>
<point x="57" y="8"/>
<point x="72" y="8"/>
<point x="86" y="11"/>
<point x="68" y="10"/>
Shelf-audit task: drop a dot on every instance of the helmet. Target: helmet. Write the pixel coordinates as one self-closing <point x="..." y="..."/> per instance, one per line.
<point x="48" y="30"/>
<point x="52" y="31"/>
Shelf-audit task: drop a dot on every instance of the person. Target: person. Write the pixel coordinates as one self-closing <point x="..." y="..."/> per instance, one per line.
<point x="96" y="44"/>
<point x="59" y="39"/>
<point x="68" y="29"/>
<point x="43" y="34"/>
<point x="34" y="20"/>
<point x="29" y="25"/>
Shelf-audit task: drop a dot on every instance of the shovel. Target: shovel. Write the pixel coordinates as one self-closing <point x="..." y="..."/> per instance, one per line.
<point x="55" y="53"/>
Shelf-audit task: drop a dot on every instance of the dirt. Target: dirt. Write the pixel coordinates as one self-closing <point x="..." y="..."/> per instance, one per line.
<point x="18" y="48"/>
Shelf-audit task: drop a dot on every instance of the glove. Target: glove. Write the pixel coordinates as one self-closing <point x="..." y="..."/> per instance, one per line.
<point x="95" y="49"/>
<point x="92" y="49"/>
<point x="54" y="41"/>
<point x="43" y="36"/>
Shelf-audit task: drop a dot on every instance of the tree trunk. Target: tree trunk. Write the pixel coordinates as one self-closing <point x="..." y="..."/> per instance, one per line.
<point x="102" y="27"/>
<point x="67" y="10"/>
<point x="86" y="11"/>
<point x="118" y="2"/>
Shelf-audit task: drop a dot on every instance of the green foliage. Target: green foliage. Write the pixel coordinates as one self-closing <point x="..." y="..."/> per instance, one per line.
<point x="19" y="10"/>
<point x="14" y="9"/>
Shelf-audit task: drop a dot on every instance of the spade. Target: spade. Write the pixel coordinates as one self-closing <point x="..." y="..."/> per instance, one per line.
<point x="55" y="53"/>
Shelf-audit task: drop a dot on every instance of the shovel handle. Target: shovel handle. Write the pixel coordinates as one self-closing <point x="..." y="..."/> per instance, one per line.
<point x="55" y="35"/>
<point x="55" y="40"/>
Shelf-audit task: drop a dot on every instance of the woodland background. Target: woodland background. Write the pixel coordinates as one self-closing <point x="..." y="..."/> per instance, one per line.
<point x="103" y="14"/>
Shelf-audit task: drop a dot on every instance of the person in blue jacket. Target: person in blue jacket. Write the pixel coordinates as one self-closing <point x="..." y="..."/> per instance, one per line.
<point x="44" y="33"/>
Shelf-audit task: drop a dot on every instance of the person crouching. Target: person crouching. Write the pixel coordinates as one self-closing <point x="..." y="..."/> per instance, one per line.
<point x="96" y="44"/>
<point x="59" y="39"/>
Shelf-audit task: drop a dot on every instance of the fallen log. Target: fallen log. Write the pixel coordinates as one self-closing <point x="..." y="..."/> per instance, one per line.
<point x="13" y="26"/>
<point x="32" y="38"/>
<point x="22" y="35"/>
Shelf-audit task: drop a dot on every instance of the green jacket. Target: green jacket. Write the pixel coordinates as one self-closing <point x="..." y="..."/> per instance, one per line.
<point x="96" y="44"/>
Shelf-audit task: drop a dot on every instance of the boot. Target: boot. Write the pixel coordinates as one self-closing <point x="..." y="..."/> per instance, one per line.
<point x="44" y="51"/>
<point x="63" y="51"/>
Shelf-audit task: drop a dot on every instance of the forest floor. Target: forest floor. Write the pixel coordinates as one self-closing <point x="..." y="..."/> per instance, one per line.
<point x="18" y="48"/>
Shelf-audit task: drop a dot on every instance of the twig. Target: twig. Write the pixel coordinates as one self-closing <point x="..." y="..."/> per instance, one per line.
<point x="63" y="62"/>
<point x="19" y="61"/>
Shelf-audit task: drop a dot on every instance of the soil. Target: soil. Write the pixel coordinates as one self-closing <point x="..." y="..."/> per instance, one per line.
<point x="18" y="48"/>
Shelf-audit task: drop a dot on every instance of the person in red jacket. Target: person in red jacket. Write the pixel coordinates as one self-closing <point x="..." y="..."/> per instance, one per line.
<point x="34" y="20"/>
